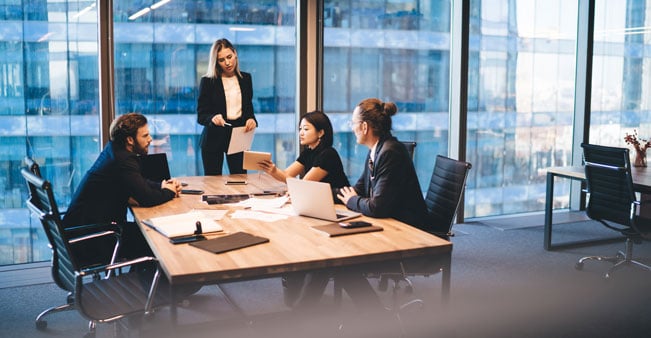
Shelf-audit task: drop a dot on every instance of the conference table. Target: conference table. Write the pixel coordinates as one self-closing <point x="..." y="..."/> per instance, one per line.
<point x="293" y="244"/>
<point x="641" y="182"/>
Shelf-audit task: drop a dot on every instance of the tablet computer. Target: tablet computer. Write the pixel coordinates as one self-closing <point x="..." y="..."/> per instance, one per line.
<point x="251" y="159"/>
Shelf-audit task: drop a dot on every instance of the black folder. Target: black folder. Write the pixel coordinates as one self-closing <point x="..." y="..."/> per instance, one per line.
<point x="230" y="242"/>
<point x="334" y="229"/>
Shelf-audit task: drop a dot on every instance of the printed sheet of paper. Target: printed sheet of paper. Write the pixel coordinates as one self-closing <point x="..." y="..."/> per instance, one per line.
<point x="240" y="140"/>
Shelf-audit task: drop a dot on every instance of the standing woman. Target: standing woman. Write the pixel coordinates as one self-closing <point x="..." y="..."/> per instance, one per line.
<point x="225" y="102"/>
<point x="389" y="185"/>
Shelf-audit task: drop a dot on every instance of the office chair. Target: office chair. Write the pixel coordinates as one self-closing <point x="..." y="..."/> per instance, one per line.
<point x="443" y="197"/>
<point x="411" y="148"/>
<point x="96" y="291"/>
<point x="32" y="166"/>
<point x="612" y="202"/>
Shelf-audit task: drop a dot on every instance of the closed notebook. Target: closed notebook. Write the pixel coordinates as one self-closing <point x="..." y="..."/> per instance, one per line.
<point x="230" y="242"/>
<point x="334" y="229"/>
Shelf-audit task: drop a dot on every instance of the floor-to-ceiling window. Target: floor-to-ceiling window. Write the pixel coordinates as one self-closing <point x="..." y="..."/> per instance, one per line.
<point x="396" y="51"/>
<point x="520" y="101"/>
<point x="161" y="52"/>
<point x="621" y="75"/>
<point x="48" y="110"/>
<point x="49" y="89"/>
<point x="520" y="88"/>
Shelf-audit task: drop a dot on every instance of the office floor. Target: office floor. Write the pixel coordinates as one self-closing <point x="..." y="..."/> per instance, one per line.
<point x="504" y="284"/>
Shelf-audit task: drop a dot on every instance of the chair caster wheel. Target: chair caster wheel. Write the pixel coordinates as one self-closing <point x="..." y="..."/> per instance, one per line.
<point x="579" y="266"/>
<point x="41" y="325"/>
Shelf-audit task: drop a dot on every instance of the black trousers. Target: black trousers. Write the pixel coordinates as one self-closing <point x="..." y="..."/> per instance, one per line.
<point x="214" y="160"/>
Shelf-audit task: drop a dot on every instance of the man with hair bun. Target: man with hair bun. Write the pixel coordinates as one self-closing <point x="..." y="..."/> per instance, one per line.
<point x="389" y="185"/>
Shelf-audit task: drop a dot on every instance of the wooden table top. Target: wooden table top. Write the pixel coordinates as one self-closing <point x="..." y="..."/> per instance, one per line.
<point x="293" y="245"/>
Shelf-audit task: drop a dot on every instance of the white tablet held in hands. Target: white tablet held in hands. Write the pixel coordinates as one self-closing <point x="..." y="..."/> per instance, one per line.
<point x="251" y="159"/>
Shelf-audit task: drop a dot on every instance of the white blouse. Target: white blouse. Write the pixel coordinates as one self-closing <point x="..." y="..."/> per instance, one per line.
<point x="233" y="97"/>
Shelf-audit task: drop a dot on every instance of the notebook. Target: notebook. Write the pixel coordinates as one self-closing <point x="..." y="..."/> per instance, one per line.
<point x="334" y="229"/>
<point x="230" y="242"/>
<point x="155" y="167"/>
<point x="314" y="199"/>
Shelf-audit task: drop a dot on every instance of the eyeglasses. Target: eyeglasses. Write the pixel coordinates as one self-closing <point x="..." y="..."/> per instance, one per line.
<point x="370" y="165"/>
<point x="352" y="123"/>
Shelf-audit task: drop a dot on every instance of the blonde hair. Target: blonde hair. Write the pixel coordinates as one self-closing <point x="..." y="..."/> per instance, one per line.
<point x="214" y="70"/>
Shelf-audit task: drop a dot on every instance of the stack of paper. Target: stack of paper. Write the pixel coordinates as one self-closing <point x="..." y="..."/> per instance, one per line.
<point x="184" y="224"/>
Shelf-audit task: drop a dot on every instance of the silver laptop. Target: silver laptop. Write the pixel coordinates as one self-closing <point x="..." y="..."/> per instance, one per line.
<point x="314" y="199"/>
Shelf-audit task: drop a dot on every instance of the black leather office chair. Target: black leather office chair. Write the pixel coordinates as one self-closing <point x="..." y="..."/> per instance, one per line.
<point x="443" y="197"/>
<point x="612" y="201"/>
<point x="96" y="291"/>
<point x="444" y="194"/>
<point x="411" y="148"/>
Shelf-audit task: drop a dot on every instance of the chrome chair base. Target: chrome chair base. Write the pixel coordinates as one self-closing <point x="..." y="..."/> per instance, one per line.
<point x="620" y="260"/>
<point x="41" y="324"/>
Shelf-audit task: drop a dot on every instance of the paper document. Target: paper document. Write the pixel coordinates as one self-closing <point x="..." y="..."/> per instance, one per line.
<point x="184" y="224"/>
<point x="240" y="140"/>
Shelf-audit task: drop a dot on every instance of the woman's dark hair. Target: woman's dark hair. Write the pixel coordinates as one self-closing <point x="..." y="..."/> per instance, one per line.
<point x="126" y="125"/>
<point x="378" y="115"/>
<point x="320" y="121"/>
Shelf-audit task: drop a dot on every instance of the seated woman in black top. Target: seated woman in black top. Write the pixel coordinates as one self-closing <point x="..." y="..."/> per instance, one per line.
<point x="319" y="161"/>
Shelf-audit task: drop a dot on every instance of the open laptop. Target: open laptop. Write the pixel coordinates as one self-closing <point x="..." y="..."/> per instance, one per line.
<point x="155" y="167"/>
<point x="314" y="199"/>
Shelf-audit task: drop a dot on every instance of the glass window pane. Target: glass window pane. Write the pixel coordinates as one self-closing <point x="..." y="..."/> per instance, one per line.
<point x="520" y="101"/>
<point x="621" y="85"/>
<point x="162" y="52"/>
<point x="48" y="110"/>
<point x="396" y="51"/>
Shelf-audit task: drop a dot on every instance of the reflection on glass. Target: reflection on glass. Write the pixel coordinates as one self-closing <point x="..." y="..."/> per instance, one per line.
<point x="396" y="51"/>
<point x="48" y="111"/>
<point x="520" y="102"/>
<point x="621" y="84"/>
<point x="49" y="89"/>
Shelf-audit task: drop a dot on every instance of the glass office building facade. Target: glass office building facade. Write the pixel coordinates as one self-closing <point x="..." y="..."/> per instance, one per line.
<point x="522" y="75"/>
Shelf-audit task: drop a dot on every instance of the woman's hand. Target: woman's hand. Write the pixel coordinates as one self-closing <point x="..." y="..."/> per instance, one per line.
<point x="250" y="125"/>
<point x="345" y="194"/>
<point x="268" y="166"/>
<point x="218" y="120"/>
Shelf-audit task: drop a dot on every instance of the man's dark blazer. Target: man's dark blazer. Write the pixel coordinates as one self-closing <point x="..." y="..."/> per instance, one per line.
<point x="390" y="188"/>
<point x="104" y="192"/>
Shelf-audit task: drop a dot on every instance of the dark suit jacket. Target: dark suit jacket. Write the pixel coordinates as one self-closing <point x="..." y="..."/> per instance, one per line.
<point x="391" y="189"/>
<point x="212" y="101"/>
<point x="103" y="194"/>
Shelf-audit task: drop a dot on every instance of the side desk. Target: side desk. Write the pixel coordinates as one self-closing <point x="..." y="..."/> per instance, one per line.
<point x="641" y="182"/>
<point x="293" y="245"/>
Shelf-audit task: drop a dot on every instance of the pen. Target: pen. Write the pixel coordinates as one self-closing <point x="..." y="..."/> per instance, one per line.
<point x="228" y="124"/>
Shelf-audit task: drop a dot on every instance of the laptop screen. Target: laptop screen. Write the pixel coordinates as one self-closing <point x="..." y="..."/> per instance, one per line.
<point x="314" y="199"/>
<point x="155" y="167"/>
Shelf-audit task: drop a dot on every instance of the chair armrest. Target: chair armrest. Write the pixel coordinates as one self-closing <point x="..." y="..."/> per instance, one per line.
<point x="106" y="268"/>
<point x="108" y="252"/>
<point x="80" y="230"/>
